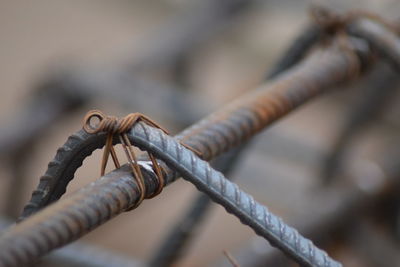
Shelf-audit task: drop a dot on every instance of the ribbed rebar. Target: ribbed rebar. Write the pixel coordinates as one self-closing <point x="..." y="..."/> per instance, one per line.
<point x="68" y="219"/>
<point x="228" y="194"/>
<point x="71" y="218"/>
<point x="172" y="245"/>
<point x="242" y="119"/>
<point x="229" y="127"/>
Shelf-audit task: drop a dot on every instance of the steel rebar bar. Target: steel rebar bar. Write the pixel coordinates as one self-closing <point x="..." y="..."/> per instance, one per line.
<point x="221" y="131"/>
<point x="374" y="99"/>
<point x="172" y="246"/>
<point x="237" y="122"/>
<point x="64" y="221"/>
<point x="384" y="40"/>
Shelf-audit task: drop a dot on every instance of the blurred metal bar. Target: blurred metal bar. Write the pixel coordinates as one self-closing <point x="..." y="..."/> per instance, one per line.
<point x="331" y="208"/>
<point x="80" y="254"/>
<point x="70" y="89"/>
<point x="20" y="135"/>
<point x="299" y="47"/>
<point x="374" y="98"/>
<point x="178" y="37"/>
<point x="384" y="40"/>
<point x="377" y="247"/>
<point x="172" y="246"/>
<point x="219" y="132"/>
<point x="64" y="220"/>
<point x="84" y="255"/>
<point x="239" y="121"/>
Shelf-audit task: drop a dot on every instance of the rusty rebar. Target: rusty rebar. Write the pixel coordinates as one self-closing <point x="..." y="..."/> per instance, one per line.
<point x="172" y="246"/>
<point x="212" y="136"/>
<point x="299" y="47"/>
<point x="81" y="254"/>
<point x="331" y="208"/>
<point x="248" y="115"/>
<point x="232" y="125"/>
<point x="20" y="136"/>
<point x="59" y="223"/>
<point x="374" y="98"/>
<point x="386" y="41"/>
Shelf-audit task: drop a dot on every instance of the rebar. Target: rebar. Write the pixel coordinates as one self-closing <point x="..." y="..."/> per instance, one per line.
<point x="172" y="246"/>
<point x="212" y="136"/>
<point x="299" y="47"/>
<point x="232" y="125"/>
<point x="374" y="99"/>
<point x="386" y="41"/>
<point x="63" y="221"/>
<point x="21" y="134"/>
<point x="332" y="208"/>
<point x="80" y="254"/>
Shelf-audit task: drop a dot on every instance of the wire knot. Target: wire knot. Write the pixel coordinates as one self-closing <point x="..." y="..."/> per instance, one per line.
<point x="118" y="127"/>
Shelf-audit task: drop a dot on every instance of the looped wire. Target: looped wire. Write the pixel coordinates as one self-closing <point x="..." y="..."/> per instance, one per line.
<point x="120" y="126"/>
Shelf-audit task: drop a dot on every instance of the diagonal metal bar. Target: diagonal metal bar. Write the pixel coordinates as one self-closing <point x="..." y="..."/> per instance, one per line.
<point x="69" y="89"/>
<point x="376" y="98"/>
<point x="212" y="136"/>
<point x="228" y="127"/>
<point x="384" y="40"/>
<point x="180" y="234"/>
<point x="333" y="208"/>
<point x="80" y="254"/>
<point x="64" y="220"/>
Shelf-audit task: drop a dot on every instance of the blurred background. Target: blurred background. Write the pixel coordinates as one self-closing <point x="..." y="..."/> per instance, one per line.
<point x="176" y="61"/>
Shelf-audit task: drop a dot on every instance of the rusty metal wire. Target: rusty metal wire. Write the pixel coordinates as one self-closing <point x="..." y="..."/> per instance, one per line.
<point x="63" y="221"/>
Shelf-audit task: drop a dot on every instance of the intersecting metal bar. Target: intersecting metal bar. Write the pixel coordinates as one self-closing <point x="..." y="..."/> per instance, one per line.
<point x="41" y="234"/>
<point x="384" y="40"/>
<point x="212" y="136"/>
<point x="80" y="85"/>
<point x="243" y="118"/>
<point x="67" y="88"/>
<point x="172" y="246"/>
<point x="375" y="98"/>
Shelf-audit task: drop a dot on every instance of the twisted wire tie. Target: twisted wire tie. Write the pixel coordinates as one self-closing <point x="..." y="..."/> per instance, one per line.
<point x="120" y="126"/>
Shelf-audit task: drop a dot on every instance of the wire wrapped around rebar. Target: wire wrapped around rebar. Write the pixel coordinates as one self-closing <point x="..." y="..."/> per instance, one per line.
<point x="119" y="126"/>
<point x="58" y="224"/>
<point x="98" y="202"/>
